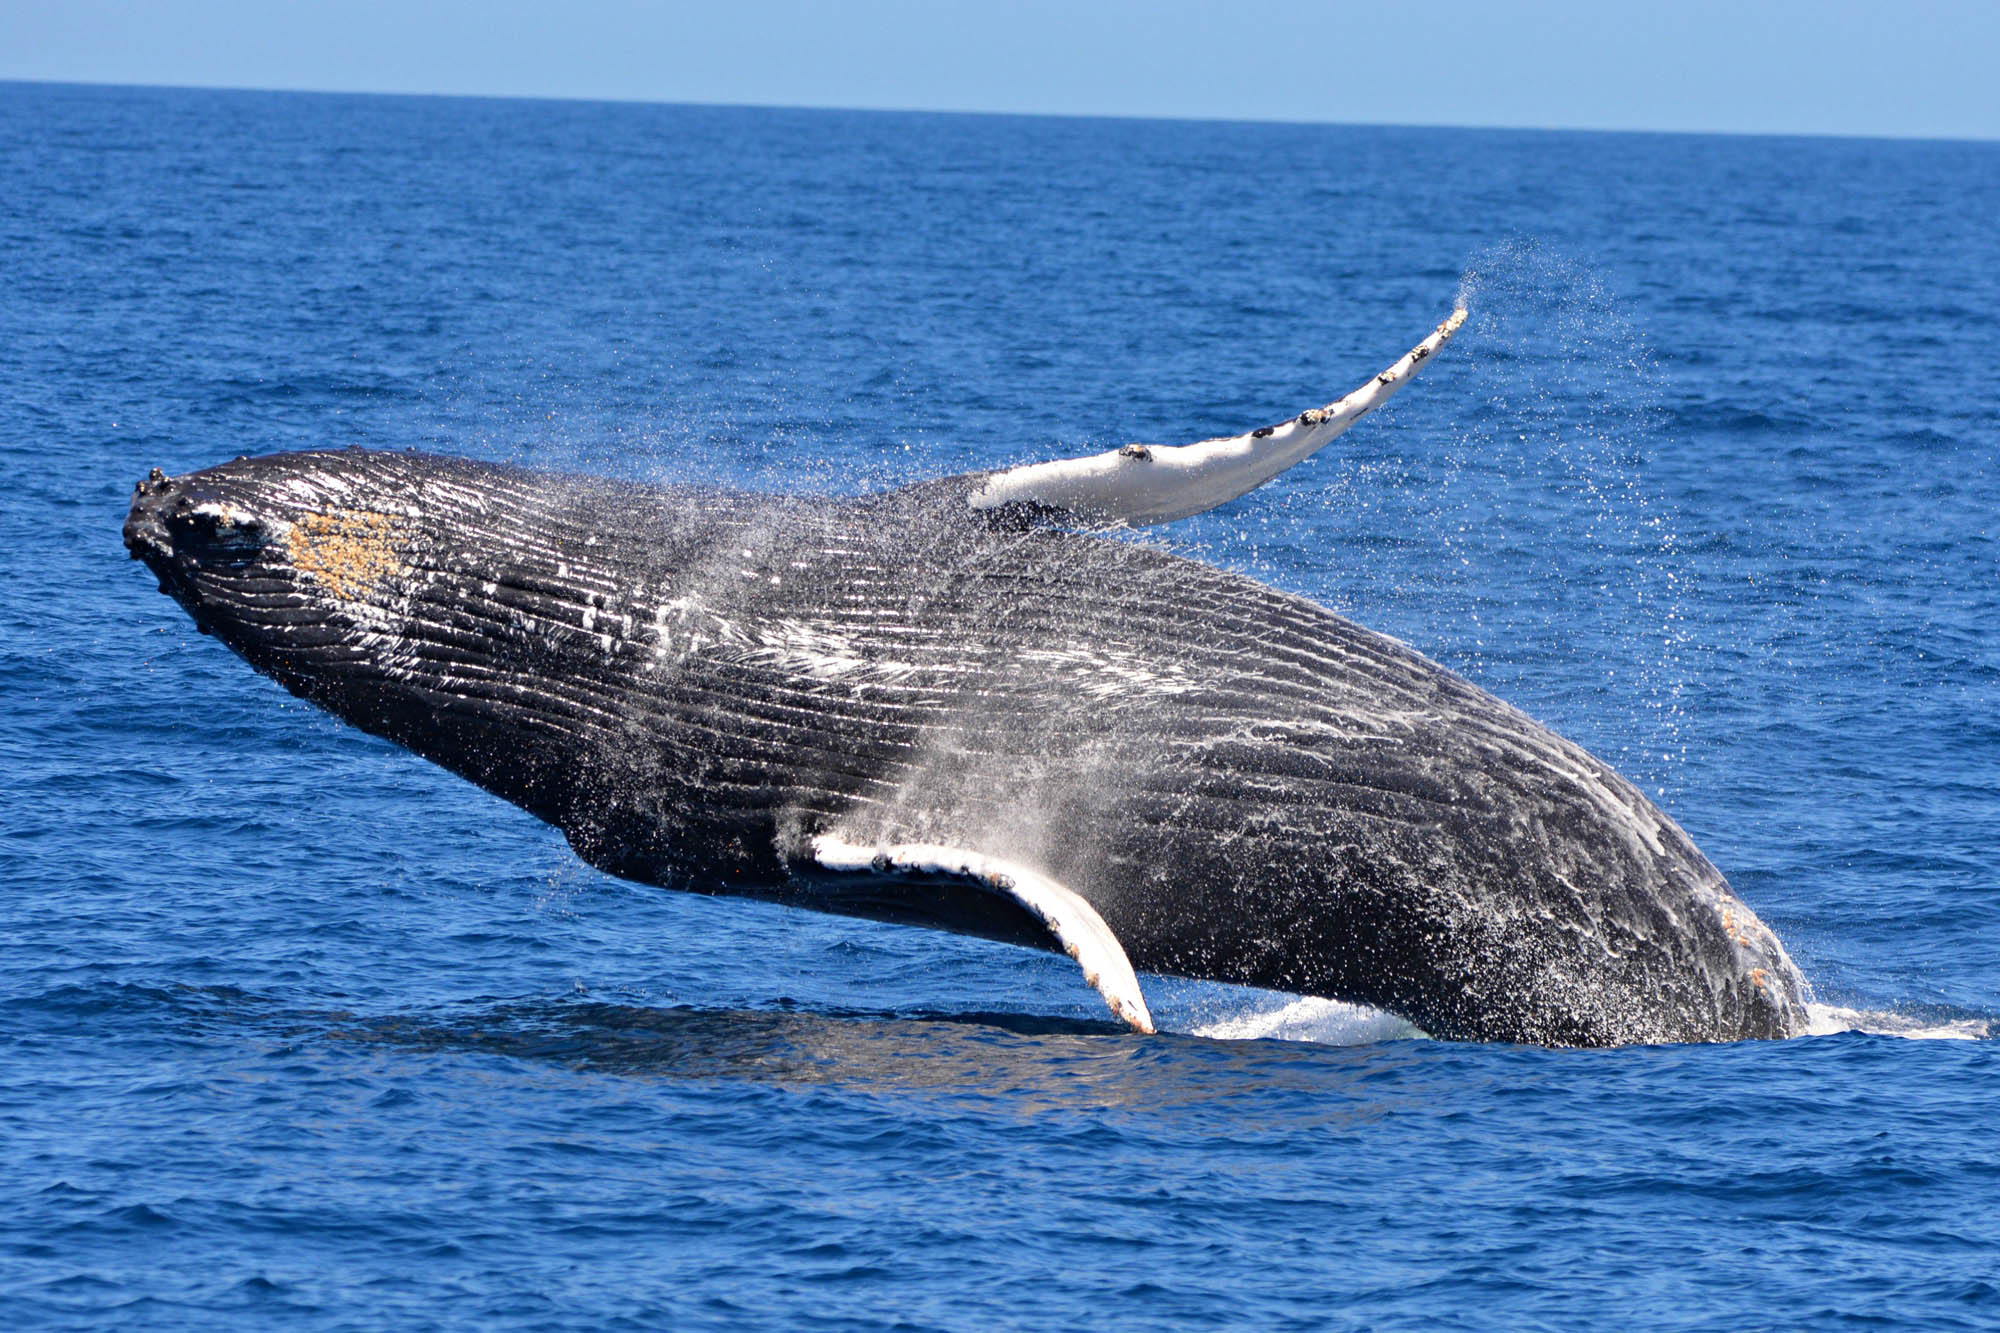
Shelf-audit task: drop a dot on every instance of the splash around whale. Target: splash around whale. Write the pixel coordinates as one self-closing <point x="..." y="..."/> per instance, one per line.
<point x="957" y="705"/>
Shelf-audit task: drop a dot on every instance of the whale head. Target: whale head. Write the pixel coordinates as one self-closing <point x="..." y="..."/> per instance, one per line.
<point x="295" y="560"/>
<point x="354" y="579"/>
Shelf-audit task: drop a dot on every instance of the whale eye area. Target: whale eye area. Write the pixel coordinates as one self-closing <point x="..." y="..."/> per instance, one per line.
<point x="216" y="536"/>
<point x="349" y="551"/>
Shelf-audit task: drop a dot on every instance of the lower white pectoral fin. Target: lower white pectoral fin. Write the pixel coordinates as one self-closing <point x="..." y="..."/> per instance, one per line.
<point x="1076" y="925"/>
<point x="1139" y="484"/>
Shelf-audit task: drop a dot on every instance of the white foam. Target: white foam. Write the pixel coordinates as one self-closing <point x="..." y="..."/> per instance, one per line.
<point x="1309" y="1018"/>
<point x="1332" y="1023"/>
<point x="1825" y="1020"/>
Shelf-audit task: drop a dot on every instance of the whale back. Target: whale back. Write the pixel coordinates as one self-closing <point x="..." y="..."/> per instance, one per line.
<point x="1246" y="787"/>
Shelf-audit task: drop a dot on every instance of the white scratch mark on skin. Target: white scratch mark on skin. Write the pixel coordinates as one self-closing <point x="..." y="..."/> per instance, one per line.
<point x="820" y="651"/>
<point x="1110" y="674"/>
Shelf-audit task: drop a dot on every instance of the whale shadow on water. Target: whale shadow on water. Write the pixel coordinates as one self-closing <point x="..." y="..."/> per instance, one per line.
<point x="1024" y="1063"/>
<point x="1257" y="1035"/>
<point x="1019" y="1063"/>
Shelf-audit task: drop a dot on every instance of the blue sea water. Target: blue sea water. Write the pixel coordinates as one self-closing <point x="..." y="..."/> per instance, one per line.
<point x="298" y="1031"/>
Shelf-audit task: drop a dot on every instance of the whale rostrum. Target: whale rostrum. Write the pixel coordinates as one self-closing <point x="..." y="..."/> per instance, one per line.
<point x="955" y="705"/>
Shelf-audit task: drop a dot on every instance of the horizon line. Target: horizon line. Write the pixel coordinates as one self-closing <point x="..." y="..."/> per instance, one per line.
<point x="604" y="100"/>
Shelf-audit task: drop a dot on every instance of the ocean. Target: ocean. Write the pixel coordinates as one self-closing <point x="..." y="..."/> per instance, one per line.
<point x="298" y="1031"/>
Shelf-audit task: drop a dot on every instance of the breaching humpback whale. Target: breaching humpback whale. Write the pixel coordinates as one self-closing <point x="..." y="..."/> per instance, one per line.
<point x="958" y="704"/>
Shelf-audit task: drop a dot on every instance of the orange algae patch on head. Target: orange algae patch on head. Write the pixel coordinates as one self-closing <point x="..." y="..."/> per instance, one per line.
<point x="349" y="550"/>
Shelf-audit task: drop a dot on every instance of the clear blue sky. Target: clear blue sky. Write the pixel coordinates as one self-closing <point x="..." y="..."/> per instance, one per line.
<point x="1887" y="67"/>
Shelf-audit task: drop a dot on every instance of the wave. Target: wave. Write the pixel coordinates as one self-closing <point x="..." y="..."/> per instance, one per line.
<point x="1333" y="1023"/>
<point x="1826" y="1020"/>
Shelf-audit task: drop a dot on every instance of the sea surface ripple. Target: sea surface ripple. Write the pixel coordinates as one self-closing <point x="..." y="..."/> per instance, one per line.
<point x="297" y="1031"/>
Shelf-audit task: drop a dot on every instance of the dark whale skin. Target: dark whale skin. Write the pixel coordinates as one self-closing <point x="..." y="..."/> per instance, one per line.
<point x="693" y="683"/>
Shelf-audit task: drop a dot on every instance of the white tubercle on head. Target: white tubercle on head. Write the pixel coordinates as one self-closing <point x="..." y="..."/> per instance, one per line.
<point x="1142" y="484"/>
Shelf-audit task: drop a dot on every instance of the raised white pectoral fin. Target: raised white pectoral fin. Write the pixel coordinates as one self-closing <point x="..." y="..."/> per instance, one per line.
<point x="1077" y="927"/>
<point x="1142" y="484"/>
